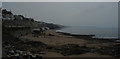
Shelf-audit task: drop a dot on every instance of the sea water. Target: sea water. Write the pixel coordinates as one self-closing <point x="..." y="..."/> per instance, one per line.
<point x="99" y="32"/>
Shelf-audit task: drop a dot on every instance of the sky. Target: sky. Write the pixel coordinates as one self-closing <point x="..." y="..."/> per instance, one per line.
<point x="99" y="14"/>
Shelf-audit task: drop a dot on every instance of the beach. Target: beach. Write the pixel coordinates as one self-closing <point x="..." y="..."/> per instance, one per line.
<point x="60" y="39"/>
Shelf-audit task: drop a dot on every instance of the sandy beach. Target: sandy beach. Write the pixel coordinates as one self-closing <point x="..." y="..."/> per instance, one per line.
<point x="60" y="39"/>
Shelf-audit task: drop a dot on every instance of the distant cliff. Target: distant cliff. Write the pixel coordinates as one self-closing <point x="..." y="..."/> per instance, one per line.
<point x="11" y="20"/>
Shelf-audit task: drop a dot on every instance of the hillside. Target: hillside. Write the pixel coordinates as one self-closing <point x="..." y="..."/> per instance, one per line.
<point x="11" y="20"/>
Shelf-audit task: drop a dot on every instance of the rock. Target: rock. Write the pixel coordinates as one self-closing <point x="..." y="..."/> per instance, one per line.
<point x="71" y="49"/>
<point x="38" y="57"/>
<point x="51" y="35"/>
<point x="49" y="47"/>
<point x="42" y="53"/>
<point x="11" y="52"/>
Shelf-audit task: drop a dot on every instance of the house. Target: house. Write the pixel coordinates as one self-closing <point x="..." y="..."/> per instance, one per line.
<point x="7" y="14"/>
<point x="30" y="19"/>
<point x="18" y="17"/>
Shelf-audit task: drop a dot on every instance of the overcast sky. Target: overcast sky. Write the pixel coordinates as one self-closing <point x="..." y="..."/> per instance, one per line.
<point x="104" y="14"/>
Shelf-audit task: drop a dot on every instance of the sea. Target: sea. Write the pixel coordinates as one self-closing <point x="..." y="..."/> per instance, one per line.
<point x="99" y="32"/>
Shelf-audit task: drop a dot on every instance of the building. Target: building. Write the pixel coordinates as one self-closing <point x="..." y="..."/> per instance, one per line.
<point x="19" y="17"/>
<point x="7" y="15"/>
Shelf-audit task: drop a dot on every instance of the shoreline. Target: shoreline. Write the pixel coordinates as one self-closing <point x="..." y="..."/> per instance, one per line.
<point x="91" y="36"/>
